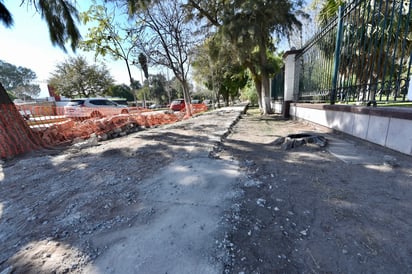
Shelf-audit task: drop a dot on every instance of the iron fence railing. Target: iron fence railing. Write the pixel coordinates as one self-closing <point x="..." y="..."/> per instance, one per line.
<point x="278" y="85"/>
<point x="362" y="55"/>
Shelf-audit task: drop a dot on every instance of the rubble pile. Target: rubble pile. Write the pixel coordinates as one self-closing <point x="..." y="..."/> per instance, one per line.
<point x="104" y="128"/>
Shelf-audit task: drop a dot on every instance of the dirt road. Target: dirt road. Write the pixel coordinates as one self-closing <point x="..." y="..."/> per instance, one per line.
<point x="150" y="202"/>
<point x="175" y="199"/>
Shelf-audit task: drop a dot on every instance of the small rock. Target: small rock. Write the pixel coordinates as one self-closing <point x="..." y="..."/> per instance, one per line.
<point x="251" y="183"/>
<point x="261" y="202"/>
<point x="103" y="137"/>
<point x="31" y="218"/>
<point x="344" y="251"/>
<point x="249" y="163"/>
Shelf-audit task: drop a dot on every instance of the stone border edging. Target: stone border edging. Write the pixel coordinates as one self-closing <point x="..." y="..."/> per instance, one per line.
<point x="390" y="112"/>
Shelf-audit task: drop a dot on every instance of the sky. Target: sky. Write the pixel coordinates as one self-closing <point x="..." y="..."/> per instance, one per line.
<point x="27" y="44"/>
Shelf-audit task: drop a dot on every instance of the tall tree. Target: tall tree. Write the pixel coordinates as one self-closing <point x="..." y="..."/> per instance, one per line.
<point x="18" y="80"/>
<point x="110" y="35"/>
<point x="76" y="78"/>
<point x="249" y="25"/>
<point x="121" y="91"/>
<point x="158" y="89"/>
<point x="215" y="66"/>
<point x="168" y="39"/>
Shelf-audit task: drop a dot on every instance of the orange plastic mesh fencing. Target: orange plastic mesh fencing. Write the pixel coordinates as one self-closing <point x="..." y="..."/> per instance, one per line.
<point x="48" y="126"/>
<point x="196" y="108"/>
<point x="15" y="136"/>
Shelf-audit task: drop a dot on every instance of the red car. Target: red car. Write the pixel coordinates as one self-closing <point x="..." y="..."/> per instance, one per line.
<point x="177" y="105"/>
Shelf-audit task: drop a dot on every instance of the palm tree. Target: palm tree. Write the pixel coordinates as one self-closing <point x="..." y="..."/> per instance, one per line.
<point x="60" y="17"/>
<point x="5" y="16"/>
<point x="248" y="26"/>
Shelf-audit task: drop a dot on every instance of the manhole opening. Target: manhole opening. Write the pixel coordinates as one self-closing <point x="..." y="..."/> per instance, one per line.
<point x="300" y="135"/>
<point x="300" y="139"/>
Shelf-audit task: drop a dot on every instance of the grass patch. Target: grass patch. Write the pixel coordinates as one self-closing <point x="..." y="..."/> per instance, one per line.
<point x="398" y="104"/>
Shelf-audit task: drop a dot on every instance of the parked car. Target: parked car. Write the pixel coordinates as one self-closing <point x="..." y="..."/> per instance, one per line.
<point x="120" y="102"/>
<point x="208" y="103"/>
<point x="154" y="106"/>
<point x="177" y="105"/>
<point x="93" y="107"/>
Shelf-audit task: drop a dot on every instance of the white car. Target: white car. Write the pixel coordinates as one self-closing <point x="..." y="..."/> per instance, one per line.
<point x="93" y="107"/>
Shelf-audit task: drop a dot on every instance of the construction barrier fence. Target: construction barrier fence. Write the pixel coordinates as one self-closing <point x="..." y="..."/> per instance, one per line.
<point x="48" y="126"/>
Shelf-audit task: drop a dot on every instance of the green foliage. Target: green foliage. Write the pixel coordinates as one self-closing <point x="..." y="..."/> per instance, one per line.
<point x="143" y="93"/>
<point x="121" y="91"/>
<point x="60" y="17"/>
<point x="248" y="93"/>
<point x="136" y="84"/>
<point x="133" y="6"/>
<point x="329" y="9"/>
<point x="110" y="35"/>
<point x="215" y="67"/>
<point x="248" y="26"/>
<point x="158" y="92"/>
<point x="18" y="80"/>
<point x="76" y="78"/>
<point x="5" y="16"/>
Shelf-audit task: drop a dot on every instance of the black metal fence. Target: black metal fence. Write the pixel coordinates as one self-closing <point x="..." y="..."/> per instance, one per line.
<point x="364" y="54"/>
<point x="277" y="85"/>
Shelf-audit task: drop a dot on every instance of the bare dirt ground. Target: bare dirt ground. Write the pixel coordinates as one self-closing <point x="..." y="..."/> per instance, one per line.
<point x="311" y="212"/>
<point x="175" y="199"/>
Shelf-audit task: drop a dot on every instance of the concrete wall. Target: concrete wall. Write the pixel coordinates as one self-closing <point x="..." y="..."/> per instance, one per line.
<point x="277" y="106"/>
<point x="388" y="127"/>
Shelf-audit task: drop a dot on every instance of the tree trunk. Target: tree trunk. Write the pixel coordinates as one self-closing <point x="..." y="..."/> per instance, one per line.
<point x="16" y="137"/>
<point x="266" y="106"/>
<point x="258" y="86"/>
<point x="186" y="97"/>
